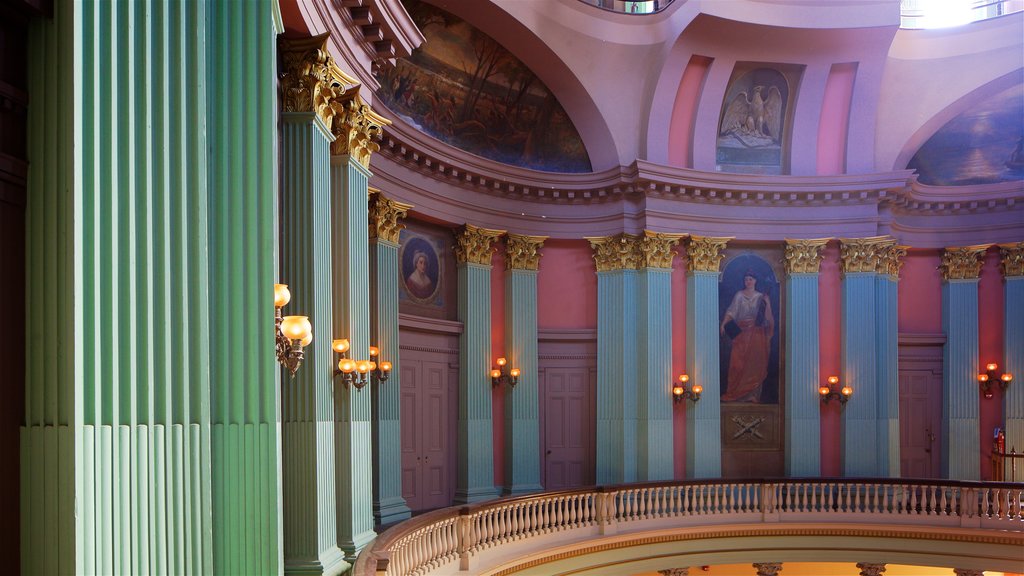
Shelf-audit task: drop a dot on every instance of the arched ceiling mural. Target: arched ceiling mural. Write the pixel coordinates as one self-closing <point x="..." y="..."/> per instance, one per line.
<point x="982" y="145"/>
<point x="465" y="89"/>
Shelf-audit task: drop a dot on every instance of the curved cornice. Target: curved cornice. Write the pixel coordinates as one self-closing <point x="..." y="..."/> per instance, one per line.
<point x="455" y="186"/>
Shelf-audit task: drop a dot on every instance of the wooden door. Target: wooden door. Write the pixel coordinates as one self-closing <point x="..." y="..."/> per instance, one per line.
<point x="427" y="481"/>
<point x="920" y="422"/>
<point x="567" y="435"/>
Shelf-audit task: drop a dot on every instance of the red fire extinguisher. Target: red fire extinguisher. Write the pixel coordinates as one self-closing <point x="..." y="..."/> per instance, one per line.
<point x="1000" y="438"/>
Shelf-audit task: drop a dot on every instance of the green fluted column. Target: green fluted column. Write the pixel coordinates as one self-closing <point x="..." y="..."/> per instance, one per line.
<point x="655" y="454"/>
<point x="703" y="418"/>
<point x="887" y="354"/>
<point x="476" y="451"/>
<point x="388" y="505"/>
<point x="961" y="268"/>
<point x="308" y="403"/>
<point x="146" y="448"/>
<point x="353" y="431"/>
<point x="1013" y="359"/>
<point x="522" y="410"/>
<point x="617" y="258"/>
<point x="803" y="407"/>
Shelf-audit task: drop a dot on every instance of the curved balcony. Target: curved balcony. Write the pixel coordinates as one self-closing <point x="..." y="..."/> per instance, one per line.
<point x="641" y="527"/>
<point x="627" y="7"/>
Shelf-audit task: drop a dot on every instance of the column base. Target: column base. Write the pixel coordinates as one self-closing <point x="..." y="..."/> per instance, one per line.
<point x="518" y="489"/>
<point x="331" y="563"/>
<point x="351" y="548"/>
<point x="391" y="511"/>
<point x="471" y="495"/>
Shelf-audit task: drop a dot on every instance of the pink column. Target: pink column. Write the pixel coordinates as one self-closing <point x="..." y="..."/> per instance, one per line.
<point x="990" y="349"/>
<point x="829" y="331"/>
<point x="498" y="351"/>
<point x="835" y="119"/>
<point x="684" y="111"/>
<point x="679" y="360"/>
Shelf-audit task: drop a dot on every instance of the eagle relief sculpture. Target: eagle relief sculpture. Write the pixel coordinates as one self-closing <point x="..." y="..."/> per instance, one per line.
<point x="754" y="121"/>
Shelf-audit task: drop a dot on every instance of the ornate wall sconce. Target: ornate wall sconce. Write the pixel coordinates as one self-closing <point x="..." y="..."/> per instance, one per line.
<point x="829" y="392"/>
<point x="359" y="372"/>
<point x="680" y="393"/>
<point x="991" y="376"/>
<point x="293" y="332"/>
<point x="502" y="374"/>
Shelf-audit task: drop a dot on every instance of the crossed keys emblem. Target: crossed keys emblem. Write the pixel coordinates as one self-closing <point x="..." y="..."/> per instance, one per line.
<point x="748" y="426"/>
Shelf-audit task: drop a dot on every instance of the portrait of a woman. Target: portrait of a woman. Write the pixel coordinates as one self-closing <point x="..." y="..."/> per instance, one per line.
<point x="420" y="269"/>
<point x="418" y="282"/>
<point x="751" y="311"/>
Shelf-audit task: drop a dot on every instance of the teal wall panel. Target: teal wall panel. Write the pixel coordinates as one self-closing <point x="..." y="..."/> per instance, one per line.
<point x="1014" y="361"/>
<point x="887" y="426"/>
<point x="616" y="379"/>
<point x="803" y="406"/>
<point x="960" y="404"/>
<point x="655" y="451"/>
<point x="859" y="370"/>
<point x="703" y="418"/>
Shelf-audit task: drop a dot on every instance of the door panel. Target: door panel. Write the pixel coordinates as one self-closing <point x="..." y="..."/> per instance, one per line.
<point x="568" y="460"/>
<point x="426" y="430"/>
<point x="920" y="421"/>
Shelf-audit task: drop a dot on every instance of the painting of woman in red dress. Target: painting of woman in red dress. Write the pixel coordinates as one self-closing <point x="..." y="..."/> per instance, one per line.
<point x="748" y="330"/>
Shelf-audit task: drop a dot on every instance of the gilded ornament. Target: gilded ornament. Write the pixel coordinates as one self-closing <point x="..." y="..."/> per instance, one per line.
<point x="868" y="569"/>
<point x="521" y="252"/>
<point x="804" y="256"/>
<point x="963" y="262"/>
<point x="1012" y="259"/>
<point x="862" y="254"/>
<point x="705" y="253"/>
<point x="658" y="248"/>
<point x="384" y="216"/>
<point x="619" y="252"/>
<point x="474" y="245"/>
<point x="356" y="128"/>
<point x="310" y="80"/>
<point x="891" y="259"/>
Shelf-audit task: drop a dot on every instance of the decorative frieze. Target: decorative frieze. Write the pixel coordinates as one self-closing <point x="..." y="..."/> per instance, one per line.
<point x="356" y="128"/>
<point x="1012" y="259"/>
<point x="868" y="569"/>
<point x="521" y="252"/>
<point x="474" y="245"/>
<point x="657" y="248"/>
<point x="862" y="254"/>
<point x="310" y="79"/>
<point x="675" y="572"/>
<point x="963" y="262"/>
<point x="804" y="256"/>
<point x="768" y="568"/>
<point x="384" y="216"/>
<point x="890" y="259"/>
<point x="619" y="252"/>
<point x="704" y="253"/>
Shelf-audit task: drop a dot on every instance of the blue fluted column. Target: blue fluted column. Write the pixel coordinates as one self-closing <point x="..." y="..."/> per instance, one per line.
<point x="703" y="418"/>
<point x="522" y="403"/>
<point x="388" y="505"/>
<point x="1013" y="359"/>
<point x="859" y="263"/>
<point x="887" y="428"/>
<point x="310" y="534"/>
<point x="803" y="408"/>
<point x="476" y="447"/>
<point x="961" y="269"/>
<point x="617" y="258"/>
<point x="655" y="452"/>
<point x="355" y="126"/>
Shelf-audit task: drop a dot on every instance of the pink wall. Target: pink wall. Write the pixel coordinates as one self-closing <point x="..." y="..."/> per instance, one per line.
<point x="498" y="351"/>
<point x="990" y="349"/>
<point x="566" y="286"/>
<point x="829" y="333"/>
<point x="835" y="118"/>
<point x="679" y="360"/>
<point x="920" y="293"/>
<point x="684" y="111"/>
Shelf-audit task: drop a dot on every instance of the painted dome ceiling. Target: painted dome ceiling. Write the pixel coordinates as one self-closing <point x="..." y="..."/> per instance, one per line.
<point x="465" y="89"/>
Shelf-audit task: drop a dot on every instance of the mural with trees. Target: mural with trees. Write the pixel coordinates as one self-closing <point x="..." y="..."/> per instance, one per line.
<point x="465" y="89"/>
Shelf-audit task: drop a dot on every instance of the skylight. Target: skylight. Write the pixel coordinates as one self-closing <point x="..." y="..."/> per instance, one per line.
<point x="949" y="13"/>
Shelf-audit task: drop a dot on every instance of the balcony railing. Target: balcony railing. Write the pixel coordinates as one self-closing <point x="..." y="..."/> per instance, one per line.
<point x="935" y="14"/>
<point x="448" y="539"/>
<point x="638" y="7"/>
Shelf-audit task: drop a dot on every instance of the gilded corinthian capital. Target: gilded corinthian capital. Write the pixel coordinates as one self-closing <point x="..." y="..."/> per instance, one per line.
<point x="384" y="216"/>
<point x="356" y="128"/>
<point x="474" y="245"/>
<point x="619" y="252"/>
<point x="890" y="259"/>
<point x="705" y="253"/>
<point x="862" y="254"/>
<point x="1012" y="259"/>
<point x="657" y="248"/>
<point x="963" y="262"/>
<point x="804" y="256"/>
<point x="310" y="79"/>
<point x="521" y="252"/>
